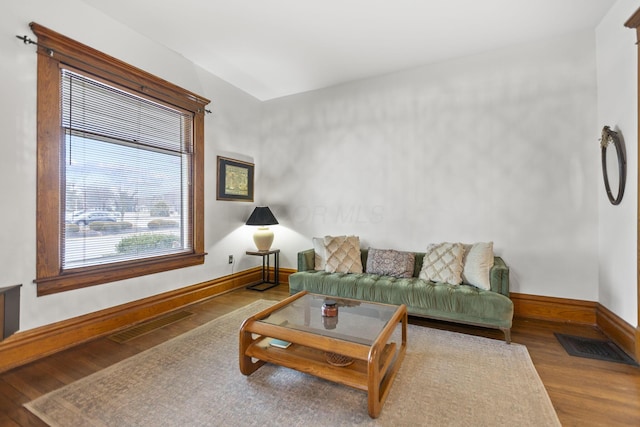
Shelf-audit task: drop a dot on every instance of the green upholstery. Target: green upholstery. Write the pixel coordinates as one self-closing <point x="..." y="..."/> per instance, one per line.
<point x="463" y="303"/>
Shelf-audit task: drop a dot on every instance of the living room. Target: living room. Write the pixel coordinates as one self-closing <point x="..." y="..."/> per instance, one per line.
<point x="499" y="145"/>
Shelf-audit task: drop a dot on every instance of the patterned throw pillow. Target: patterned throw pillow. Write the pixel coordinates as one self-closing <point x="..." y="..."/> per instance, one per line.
<point x="443" y="263"/>
<point x="477" y="261"/>
<point x="388" y="262"/>
<point x="343" y="254"/>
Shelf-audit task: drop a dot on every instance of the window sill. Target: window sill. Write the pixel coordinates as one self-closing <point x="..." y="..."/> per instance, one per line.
<point x="104" y="274"/>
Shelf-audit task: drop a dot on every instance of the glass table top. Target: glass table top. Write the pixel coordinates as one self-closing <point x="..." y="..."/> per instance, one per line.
<point x="357" y="321"/>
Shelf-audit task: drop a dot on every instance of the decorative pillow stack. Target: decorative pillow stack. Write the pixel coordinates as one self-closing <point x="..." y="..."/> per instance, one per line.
<point x="452" y="263"/>
<point x="457" y="263"/>
<point x="338" y="254"/>
<point x="388" y="262"/>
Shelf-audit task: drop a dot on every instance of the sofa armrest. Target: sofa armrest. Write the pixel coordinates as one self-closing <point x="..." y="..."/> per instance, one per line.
<point x="306" y="260"/>
<point x="499" y="277"/>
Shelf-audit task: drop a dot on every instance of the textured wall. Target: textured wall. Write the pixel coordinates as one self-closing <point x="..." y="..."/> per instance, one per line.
<point x="617" y="108"/>
<point x="498" y="146"/>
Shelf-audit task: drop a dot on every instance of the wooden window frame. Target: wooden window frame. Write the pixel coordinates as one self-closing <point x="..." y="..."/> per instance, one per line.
<point x="53" y="51"/>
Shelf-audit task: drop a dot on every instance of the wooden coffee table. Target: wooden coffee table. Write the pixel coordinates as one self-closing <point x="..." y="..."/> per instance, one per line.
<point x="369" y="338"/>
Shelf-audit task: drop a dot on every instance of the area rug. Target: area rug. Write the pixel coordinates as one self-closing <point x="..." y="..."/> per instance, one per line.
<point x="446" y="379"/>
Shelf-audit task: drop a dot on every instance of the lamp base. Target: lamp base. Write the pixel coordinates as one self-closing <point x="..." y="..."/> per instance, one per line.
<point x="263" y="238"/>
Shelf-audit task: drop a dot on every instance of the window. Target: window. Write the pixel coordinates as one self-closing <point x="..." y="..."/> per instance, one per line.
<point x="120" y="169"/>
<point x="126" y="175"/>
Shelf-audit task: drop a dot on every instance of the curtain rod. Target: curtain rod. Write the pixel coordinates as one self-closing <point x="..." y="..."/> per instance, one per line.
<point x="26" y="40"/>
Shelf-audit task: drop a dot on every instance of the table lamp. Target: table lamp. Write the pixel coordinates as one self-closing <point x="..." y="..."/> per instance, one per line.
<point x="263" y="237"/>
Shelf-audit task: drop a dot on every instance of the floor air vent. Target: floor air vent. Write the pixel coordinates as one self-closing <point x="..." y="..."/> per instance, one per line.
<point x="145" y="328"/>
<point x="594" y="349"/>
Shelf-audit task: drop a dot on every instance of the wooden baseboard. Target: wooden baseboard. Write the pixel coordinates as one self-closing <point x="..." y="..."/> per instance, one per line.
<point x="27" y="346"/>
<point x="24" y="347"/>
<point x="583" y="312"/>
<point x="618" y="330"/>
<point x="285" y="273"/>
<point x="554" y="309"/>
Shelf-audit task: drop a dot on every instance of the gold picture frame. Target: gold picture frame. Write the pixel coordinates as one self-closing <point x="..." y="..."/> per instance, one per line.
<point x="234" y="180"/>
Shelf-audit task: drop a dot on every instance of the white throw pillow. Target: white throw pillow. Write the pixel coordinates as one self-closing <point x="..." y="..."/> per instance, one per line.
<point x="320" y="253"/>
<point x="343" y="254"/>
<point x="443" y="263"/>
<point x="477" y="261"/>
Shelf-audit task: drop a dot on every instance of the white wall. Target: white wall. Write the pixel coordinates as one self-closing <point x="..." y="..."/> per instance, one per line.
<point x="230" y="129"/>
<point x="501" y="146"/>
<point x="617" y="107"/>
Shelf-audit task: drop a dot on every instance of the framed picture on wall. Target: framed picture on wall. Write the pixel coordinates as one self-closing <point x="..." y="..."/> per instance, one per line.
<point x="235" y="180"/>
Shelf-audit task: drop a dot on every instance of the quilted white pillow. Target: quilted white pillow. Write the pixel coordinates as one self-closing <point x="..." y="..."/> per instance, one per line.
<point x="343" y="254"/>
<point x="320" y="253"/>
<point x="477" y="261"/>
<point x="443" y="263"/>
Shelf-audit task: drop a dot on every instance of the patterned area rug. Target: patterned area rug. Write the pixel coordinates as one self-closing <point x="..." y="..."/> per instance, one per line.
<point x="446" y="379"/>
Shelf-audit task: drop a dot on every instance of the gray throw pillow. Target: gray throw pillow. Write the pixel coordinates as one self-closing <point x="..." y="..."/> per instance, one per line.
<point x="389" y="262"/>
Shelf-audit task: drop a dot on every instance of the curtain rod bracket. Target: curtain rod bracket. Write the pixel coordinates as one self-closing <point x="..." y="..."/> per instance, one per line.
<point x="27" y="40"/>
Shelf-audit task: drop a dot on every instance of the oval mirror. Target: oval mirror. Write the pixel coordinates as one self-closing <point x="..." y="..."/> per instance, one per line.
<point x="614" y="164"/>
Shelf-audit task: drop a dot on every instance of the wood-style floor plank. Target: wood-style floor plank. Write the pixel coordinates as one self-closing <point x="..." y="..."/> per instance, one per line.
<point x="584" y="392"/>
<point x="13" y="413"/>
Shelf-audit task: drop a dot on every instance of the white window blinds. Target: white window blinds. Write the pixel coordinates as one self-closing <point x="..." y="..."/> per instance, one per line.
<point x="125" y="176"/>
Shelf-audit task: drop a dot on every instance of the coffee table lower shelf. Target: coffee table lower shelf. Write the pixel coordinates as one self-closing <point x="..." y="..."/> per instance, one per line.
<point x="314" y="362"/>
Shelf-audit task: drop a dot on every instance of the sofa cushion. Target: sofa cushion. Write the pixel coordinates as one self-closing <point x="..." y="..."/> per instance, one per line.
<point x="389" y="262"/>
<point x="477" y="261"/>
<point x="343" y="254"/>
<point x="463" y="303"/>
<point x="443" y="263"/>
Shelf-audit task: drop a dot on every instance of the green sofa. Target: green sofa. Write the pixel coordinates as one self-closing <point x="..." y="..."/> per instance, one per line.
<point x="463" y="303"/>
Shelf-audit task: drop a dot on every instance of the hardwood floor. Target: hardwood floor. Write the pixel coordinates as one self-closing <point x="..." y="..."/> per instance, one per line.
<point x="584" y="392"/>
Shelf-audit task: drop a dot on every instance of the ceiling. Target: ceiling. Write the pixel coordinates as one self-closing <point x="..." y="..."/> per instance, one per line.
<point x="275" y="48"/>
